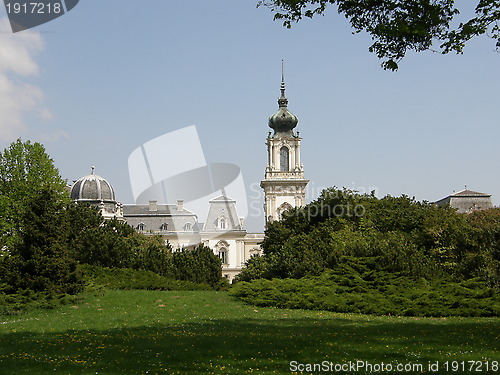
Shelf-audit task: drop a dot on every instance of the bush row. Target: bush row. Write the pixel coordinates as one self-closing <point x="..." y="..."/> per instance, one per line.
<point x="356" y="286"/>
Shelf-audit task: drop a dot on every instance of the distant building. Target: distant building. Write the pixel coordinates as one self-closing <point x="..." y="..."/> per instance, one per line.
<point x="172" y="221"/>
<point x="223" y="230"/>
<point x="467" y="201"/>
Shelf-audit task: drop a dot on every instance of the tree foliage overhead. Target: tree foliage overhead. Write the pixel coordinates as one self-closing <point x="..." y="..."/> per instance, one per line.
<point x="399" y="26"/>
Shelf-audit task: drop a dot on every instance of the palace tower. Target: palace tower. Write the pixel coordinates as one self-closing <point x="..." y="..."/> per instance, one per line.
<point x="284" y="183"/>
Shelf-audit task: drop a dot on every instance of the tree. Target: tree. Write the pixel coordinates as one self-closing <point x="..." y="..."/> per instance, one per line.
<point x="42" y="253"/>
<point x="399" y="26"/>
<point x="25" y="169"/>
<point x="34" y="225"/>
<point x="398" y="234"/>
<point x="199" y="265"/>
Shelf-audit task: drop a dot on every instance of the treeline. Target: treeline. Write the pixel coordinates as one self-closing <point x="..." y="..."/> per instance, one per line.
<point x="405" y="235"/>
<point x="396" y="236"/>
<point x="44" y="236"/>
<point x="115" y="244"/>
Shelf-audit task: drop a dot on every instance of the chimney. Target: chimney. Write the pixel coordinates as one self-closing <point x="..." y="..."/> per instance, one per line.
<point x="153" y="206"/>
<point x="180" y="205"/>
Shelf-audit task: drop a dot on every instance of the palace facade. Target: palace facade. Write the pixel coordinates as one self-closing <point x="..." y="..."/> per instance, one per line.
<point x="223" y="230"/>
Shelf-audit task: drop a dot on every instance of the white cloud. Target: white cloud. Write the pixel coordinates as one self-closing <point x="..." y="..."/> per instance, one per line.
<point x="18" y="98"/>
<point x="54" y="136"/>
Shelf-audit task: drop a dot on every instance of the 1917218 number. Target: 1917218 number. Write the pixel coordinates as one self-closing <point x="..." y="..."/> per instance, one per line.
<point x="34" y="8"/>
<point x="471" y="366"/>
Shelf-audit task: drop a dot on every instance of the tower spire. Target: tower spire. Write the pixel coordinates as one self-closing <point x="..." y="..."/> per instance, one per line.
<point x="282" y="78"/>
<point x="282" y="101"/>
<point x="283" y="121"/>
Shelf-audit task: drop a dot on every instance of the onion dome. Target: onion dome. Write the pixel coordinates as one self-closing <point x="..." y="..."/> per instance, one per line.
<point x="283" y="121"/>
<point x="92" y="188"/>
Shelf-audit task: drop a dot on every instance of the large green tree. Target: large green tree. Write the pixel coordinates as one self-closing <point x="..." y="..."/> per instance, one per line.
<point x="42" y="258"/>
<point x="25" y="169"/>
<point x="399" y="26"/>
<point x="34" y="224"/>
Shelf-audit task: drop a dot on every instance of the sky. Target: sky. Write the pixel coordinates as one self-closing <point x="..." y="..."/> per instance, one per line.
<point x="111" y="75"/>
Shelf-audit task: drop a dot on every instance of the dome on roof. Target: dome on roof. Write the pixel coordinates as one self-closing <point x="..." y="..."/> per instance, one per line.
<point x="92" y="188"/>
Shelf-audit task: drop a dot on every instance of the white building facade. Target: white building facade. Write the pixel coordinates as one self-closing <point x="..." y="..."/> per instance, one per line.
<point x="223" y="231"/>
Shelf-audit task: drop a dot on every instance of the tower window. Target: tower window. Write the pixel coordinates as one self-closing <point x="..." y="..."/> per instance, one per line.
<point x="187" y="226"/>
<point x="164" y="226"/>
<point x="284" y="159"/>
<point x="140" y="227"/>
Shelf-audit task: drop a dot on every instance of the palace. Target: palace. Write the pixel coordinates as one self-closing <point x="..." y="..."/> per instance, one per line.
<point x="223" y="230"/>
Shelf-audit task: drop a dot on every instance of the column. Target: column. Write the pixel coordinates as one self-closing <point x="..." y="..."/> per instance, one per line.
<point x="297" y="153"/>
<point x="270" y="154"/>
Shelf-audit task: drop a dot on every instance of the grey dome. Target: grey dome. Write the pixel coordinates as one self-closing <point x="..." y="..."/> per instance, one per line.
<point x="92" y="188"/>
<point x="283" y="121"/>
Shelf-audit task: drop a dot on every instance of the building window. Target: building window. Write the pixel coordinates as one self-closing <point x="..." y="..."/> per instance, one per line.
<point x="222" y="249"/>
<point x="140" y="227"/>
<point x="223" y="255"/>
<point x="164" y="226"/>
<point x="222" y="223"/>
<point x="187" y="226"/>
<point x="284" y="159"/>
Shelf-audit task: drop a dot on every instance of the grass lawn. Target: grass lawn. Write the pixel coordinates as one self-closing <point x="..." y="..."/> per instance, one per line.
<point x="203" y="332"/>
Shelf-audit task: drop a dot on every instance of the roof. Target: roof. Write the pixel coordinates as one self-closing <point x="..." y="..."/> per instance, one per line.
<point x="469" y="193"/>
<point x="222" y="215"/>
<point x="466" y="201"/>
<point x="92" y="188"/>
<point x="222" y="198"/>
<point x="162" y="209"/>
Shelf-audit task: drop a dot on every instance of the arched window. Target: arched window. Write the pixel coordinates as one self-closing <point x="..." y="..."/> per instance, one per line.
<point x="140" y="227"/>
<point x="164" y="226"/>
<point x="284" y="159"/>
<point x="223" y="255"/>
<point x="222" y="249"/>
<point x="222" y="223"/>
<point x="187" y="226"/>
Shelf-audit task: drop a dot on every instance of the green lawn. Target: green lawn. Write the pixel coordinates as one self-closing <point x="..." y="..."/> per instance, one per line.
<point x="203" y="332"/>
